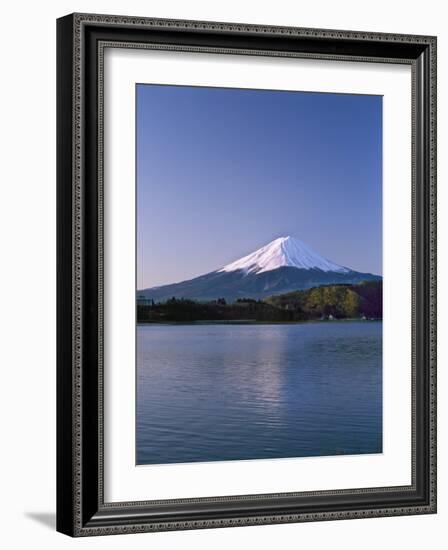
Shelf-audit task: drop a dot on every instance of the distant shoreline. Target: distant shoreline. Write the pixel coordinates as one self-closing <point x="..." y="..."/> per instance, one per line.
<point x="254" y="322"/>
<point x="362" y="301"/>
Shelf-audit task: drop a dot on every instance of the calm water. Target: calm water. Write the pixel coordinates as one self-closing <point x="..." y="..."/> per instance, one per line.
<point x="232" y="392"/>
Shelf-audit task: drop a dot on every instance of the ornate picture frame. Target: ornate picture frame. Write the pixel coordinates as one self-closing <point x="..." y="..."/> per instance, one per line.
<point x="81" y="506"/>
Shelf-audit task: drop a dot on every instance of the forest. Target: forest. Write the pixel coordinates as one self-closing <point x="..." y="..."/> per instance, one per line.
<point x="328" y="302"/>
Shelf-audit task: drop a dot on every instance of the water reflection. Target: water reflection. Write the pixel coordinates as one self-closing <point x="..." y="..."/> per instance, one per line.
<point x="227" y="392"/>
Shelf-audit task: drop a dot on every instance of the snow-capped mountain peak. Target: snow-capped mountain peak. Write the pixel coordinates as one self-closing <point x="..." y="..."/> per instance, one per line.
<point x="283" y="252"/>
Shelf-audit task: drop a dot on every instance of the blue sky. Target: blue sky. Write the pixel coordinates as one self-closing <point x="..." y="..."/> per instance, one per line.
<point x="221" y="172"/>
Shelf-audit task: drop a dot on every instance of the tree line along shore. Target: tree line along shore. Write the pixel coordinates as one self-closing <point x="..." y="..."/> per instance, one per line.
<point x="329" y="302"/>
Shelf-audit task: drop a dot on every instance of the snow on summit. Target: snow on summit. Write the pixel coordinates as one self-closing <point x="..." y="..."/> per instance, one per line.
<point x="283" y="252"/>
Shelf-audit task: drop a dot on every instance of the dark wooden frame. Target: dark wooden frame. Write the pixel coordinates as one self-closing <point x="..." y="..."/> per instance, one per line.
<point x="81" y="510"/>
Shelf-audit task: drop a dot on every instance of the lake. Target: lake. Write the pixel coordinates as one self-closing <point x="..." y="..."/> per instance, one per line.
<point x="209" y="392"/>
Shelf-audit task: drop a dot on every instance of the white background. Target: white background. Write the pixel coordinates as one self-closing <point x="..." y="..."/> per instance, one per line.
<point x="27" y="230"/>
<point x="124" y="481"/>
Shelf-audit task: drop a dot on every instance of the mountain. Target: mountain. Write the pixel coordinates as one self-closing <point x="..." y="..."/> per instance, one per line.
<point x="284" y="265"/>
<point x="283" y="252"/>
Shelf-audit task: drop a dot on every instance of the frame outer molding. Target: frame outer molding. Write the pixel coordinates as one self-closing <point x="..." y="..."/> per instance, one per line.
<point x="70" y="201"/>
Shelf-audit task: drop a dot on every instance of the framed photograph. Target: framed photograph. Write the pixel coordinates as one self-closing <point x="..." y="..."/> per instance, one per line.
<point x="246" y="274"/>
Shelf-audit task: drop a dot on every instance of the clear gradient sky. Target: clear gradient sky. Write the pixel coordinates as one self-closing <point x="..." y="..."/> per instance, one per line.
<point x="221" y="172"/>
